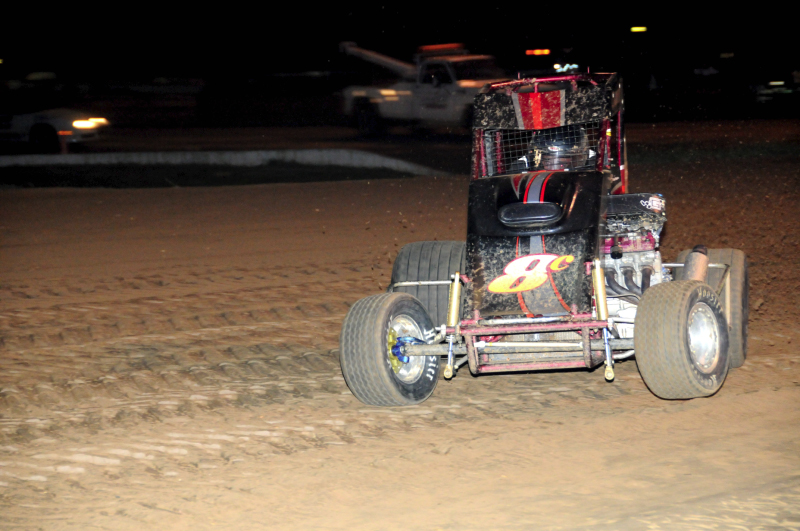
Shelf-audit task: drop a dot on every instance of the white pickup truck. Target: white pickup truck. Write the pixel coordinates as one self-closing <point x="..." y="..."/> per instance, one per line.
<point x="437" y="91"/>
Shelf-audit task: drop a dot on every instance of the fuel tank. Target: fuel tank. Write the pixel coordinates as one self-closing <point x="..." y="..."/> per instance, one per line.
<point x="529" y="238"/>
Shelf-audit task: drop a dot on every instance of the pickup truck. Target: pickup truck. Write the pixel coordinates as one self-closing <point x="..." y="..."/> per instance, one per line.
<point x="436" y="91"/>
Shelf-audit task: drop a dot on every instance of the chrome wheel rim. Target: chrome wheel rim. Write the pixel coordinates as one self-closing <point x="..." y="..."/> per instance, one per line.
<point x="703" y="338"/>
<point x="406" y="327"/>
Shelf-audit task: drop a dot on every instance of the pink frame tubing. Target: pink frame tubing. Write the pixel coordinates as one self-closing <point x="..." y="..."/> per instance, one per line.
<point x="516" y="83"/>
<point x="579" y="322"/>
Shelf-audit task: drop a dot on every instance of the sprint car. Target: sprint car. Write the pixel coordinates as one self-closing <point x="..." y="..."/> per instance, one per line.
<point x="560" y="268"/>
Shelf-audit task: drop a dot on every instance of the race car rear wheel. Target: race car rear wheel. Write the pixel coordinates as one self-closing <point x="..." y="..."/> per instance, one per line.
<point x="681" y="340"/>
<point x="373" y="374"/>
<point x="429" y="261"/>
<point x="740" y="290"/>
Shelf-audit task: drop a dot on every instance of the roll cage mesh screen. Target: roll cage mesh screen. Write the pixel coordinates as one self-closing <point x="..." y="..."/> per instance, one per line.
<point x="571" y="147"/>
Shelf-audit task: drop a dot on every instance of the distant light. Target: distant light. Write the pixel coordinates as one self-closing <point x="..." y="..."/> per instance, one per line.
<point x="776" y="83"/>
<point x="40" y="76"/>
<point x="565" y="67"/>
<point x="440" y="47"/>
<point x="388" y="92"/>
<point x="84" y="124"/>
<point x="543" y="51"/>
<point x="638" y="29"/>
<point x="99" y="121"/>
<point x="726" y="55"/>
<point x="1" y="61"/>
<point x="65" y="133"/>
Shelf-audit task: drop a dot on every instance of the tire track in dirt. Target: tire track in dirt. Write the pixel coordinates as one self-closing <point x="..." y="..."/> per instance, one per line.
<point x="174" y="339"/>
<point x="258" y="363"/>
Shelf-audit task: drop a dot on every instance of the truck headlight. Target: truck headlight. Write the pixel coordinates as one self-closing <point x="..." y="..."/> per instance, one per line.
<point x="84" y="124"/>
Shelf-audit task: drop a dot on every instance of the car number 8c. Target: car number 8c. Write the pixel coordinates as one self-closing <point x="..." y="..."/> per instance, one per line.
<point x="529" y="272"/>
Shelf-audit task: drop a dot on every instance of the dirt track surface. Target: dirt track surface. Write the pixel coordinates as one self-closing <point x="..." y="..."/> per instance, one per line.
<point x="169" y="361"/>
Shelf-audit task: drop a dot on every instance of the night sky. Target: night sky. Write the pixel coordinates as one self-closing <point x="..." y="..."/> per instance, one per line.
<point x="232" y="40"/>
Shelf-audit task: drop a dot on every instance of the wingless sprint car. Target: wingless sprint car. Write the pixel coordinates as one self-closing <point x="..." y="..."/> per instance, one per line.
<point x="560" y="268"/>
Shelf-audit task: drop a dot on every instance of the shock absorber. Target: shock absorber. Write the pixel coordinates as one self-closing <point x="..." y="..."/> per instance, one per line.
<point x="453" y="313"/>
<point x="599" y="281"/>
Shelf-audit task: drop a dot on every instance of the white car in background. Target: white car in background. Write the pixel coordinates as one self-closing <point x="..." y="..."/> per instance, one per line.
<point x="50" y="130"/>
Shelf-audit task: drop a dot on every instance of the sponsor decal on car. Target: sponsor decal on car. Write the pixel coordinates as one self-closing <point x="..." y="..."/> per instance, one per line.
<point x="529" y="272"/>
<point x="655" y="203"/>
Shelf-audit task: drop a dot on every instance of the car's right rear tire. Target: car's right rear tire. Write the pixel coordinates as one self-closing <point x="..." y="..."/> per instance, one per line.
<point x="429" y="261"/>
<point x="681" y="340"/>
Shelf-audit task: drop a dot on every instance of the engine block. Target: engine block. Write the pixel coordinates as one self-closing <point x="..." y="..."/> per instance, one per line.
<point x="631" y="260"/>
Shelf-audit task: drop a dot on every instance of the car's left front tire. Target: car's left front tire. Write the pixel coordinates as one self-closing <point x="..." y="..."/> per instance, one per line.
<point x="366" y="358"/>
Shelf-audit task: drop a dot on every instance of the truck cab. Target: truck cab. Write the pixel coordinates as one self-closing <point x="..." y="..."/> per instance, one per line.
<point x="436" y="91"/>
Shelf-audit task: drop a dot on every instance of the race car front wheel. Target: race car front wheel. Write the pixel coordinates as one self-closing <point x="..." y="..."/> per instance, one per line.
<point x="373" y="373"/>
<point x="681" y="340"/>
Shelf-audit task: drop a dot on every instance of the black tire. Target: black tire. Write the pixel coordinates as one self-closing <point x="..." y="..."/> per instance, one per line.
<point x="364" y="355"/>
<point x="44" y="139"/>
<point x="663" y="340"/>
<point x="368" y="120"/>
<point x="740" y="294"/>
<point x="429" y="261"/>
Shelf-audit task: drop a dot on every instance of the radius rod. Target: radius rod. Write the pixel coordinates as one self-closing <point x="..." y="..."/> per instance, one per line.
<point x="442" y="349"/>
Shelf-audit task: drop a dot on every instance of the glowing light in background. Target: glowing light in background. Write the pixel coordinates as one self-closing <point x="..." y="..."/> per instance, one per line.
<point x="776" y="83"/>
<point x="441" y="47"/>
<point x="638" y="29"/>
<point x="99" y="121"/>
<point x="543" y="51"/>
<point x="84" y="124"/>
<point x="565" y="67"/>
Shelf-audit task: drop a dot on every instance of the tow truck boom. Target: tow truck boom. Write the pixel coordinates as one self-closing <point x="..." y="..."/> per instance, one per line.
<point x="405" y="70"/>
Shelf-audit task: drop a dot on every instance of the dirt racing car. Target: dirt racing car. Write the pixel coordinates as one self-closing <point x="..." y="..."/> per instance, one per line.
<point x="560" y="268"/>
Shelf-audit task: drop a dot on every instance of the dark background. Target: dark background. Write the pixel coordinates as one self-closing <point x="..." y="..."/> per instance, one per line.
<point x="280" y="57"/>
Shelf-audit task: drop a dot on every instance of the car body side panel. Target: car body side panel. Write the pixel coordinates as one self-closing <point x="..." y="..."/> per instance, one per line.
<point x="537" y="270"/>
<point x="553" y="265"/>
